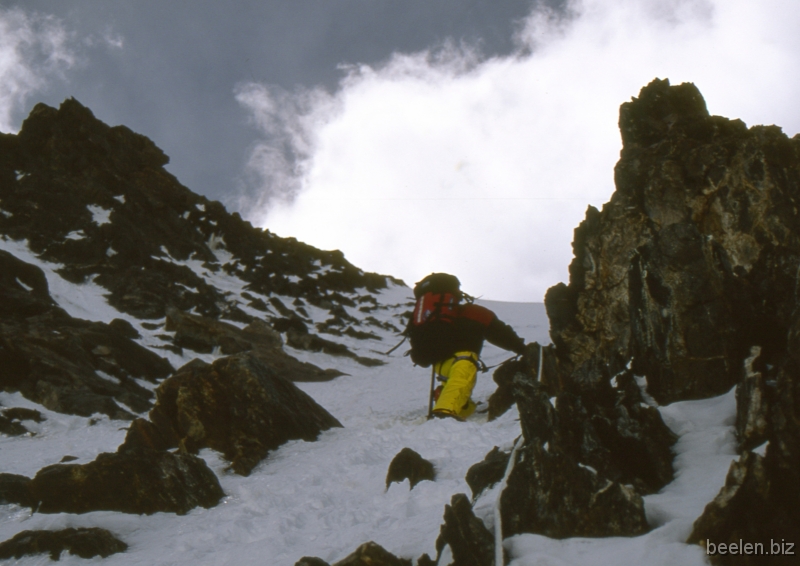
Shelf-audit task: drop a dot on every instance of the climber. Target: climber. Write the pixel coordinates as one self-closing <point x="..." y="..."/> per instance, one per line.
<point x="447" y="331"/>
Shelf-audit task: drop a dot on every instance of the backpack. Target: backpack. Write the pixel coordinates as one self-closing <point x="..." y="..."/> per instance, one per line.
<point x="431" y="330"/>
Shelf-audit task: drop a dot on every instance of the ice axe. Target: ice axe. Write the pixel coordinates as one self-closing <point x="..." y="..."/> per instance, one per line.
<point x="430" y="399"/>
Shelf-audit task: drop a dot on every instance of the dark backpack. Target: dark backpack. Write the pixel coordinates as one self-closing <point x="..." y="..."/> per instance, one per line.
<point x="431" y="329"/>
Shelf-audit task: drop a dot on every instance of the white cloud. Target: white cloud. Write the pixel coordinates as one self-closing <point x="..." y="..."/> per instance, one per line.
<point x="32" y="48"/>
<point x="484" y="168"/>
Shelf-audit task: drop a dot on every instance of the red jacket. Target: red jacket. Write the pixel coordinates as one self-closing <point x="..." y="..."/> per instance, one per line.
<point x="476" y="324"/>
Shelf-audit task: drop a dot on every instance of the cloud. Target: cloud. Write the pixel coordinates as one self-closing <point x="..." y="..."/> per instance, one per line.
<point x="32" y="48"/>
<point x="442" y="161"/>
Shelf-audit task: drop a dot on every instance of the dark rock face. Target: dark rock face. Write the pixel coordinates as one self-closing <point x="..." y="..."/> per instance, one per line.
<point x="488" y="472"/>
<point x="134" y="481"/>
<point x="688" y="276"/>
<point x="694" y="259"/>
<point x="203" y="334"/>
<point x="237" y="406"/>
<point x="409" y="465"/>
<point x="609" y="429"/>
<point x="470" y="541"/>
<point x="760" y="499"/>
<point x="86" y="543"/>
<point x="585" y="461"/>
<point x="371" y="554"/>
<point x="53" y="359"/>
<point x="98" y="200"/>
<point x="503" y="397"/>
<point x="311" y="561"/>
<point x="567" y="500"/>
<point x="14" y="489"/>
<point x="755" y="396"/>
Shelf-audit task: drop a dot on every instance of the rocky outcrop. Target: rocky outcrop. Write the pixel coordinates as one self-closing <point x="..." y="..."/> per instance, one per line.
<point x="237" y="406"/>
<point x="97" y="200"/>
<point x="67" y="364"/>
<point x="134" y="481"/>
<point x="487" y="472"/>
<point x="694" y="259"/>
<point x="372" y="554"/>
<point x="576" y="471"/>
<point x="205" y="335"/>
<point x="14" y="489"/>
<point x="11" y="420"/>
<point x="409" y="465"/>
<point x="689" y="277"/>
<point x="760" y="500"/>
<point x="311" y="561"/>
<point x="589" y="453"/>
<point x="470" y="542"/>
<point x="548" y="493"/>
<point x="368" y="554"/>
<point x="86" y="543"/>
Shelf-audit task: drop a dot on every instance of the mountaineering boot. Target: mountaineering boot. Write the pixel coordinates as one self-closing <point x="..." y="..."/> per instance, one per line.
<point x="460" y="373"/>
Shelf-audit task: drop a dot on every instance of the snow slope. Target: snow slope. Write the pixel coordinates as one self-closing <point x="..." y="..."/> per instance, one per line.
<point x="325" y="498"/>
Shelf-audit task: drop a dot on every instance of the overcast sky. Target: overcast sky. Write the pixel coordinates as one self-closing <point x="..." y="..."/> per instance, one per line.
<point x="414" y="135"/>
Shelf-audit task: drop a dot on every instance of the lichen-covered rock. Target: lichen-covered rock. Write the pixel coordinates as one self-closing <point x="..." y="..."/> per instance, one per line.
<point x="549" y="494"/>
<point x="409" y="465"/>
<point x="134" y="481"/>
<point x="471" y="543"/>
<point x="237" y="406"/>
<point x="585" y="461"/>
<point x="688" y="277"/>
<point x="693" y="260"/>
<point x="613" y="432"/>
<point x="86" y="543"/>
<point x="755" y="395"/>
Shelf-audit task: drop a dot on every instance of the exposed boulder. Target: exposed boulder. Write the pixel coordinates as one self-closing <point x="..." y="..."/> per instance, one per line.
<point x="487" y="472"/>
<point x="14" y="489"/>
<point x="409" y="465"/>
<point x="11" y="420"/>
<point x="372" y="554"/>
<point x="238" y="406"/>
<point x="311" y="561"/>
<point x="86" y="543"/>
<point x="11" y="427"/>
<point x="134" y="481"/>
<point x="471" y="543"/>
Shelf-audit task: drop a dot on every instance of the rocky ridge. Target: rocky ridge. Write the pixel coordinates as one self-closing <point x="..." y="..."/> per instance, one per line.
<point x="683" y="286"/>
<point x="92" y="226"/>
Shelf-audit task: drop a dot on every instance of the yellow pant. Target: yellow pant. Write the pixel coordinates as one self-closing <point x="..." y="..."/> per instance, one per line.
<point x="460" y="373"/>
